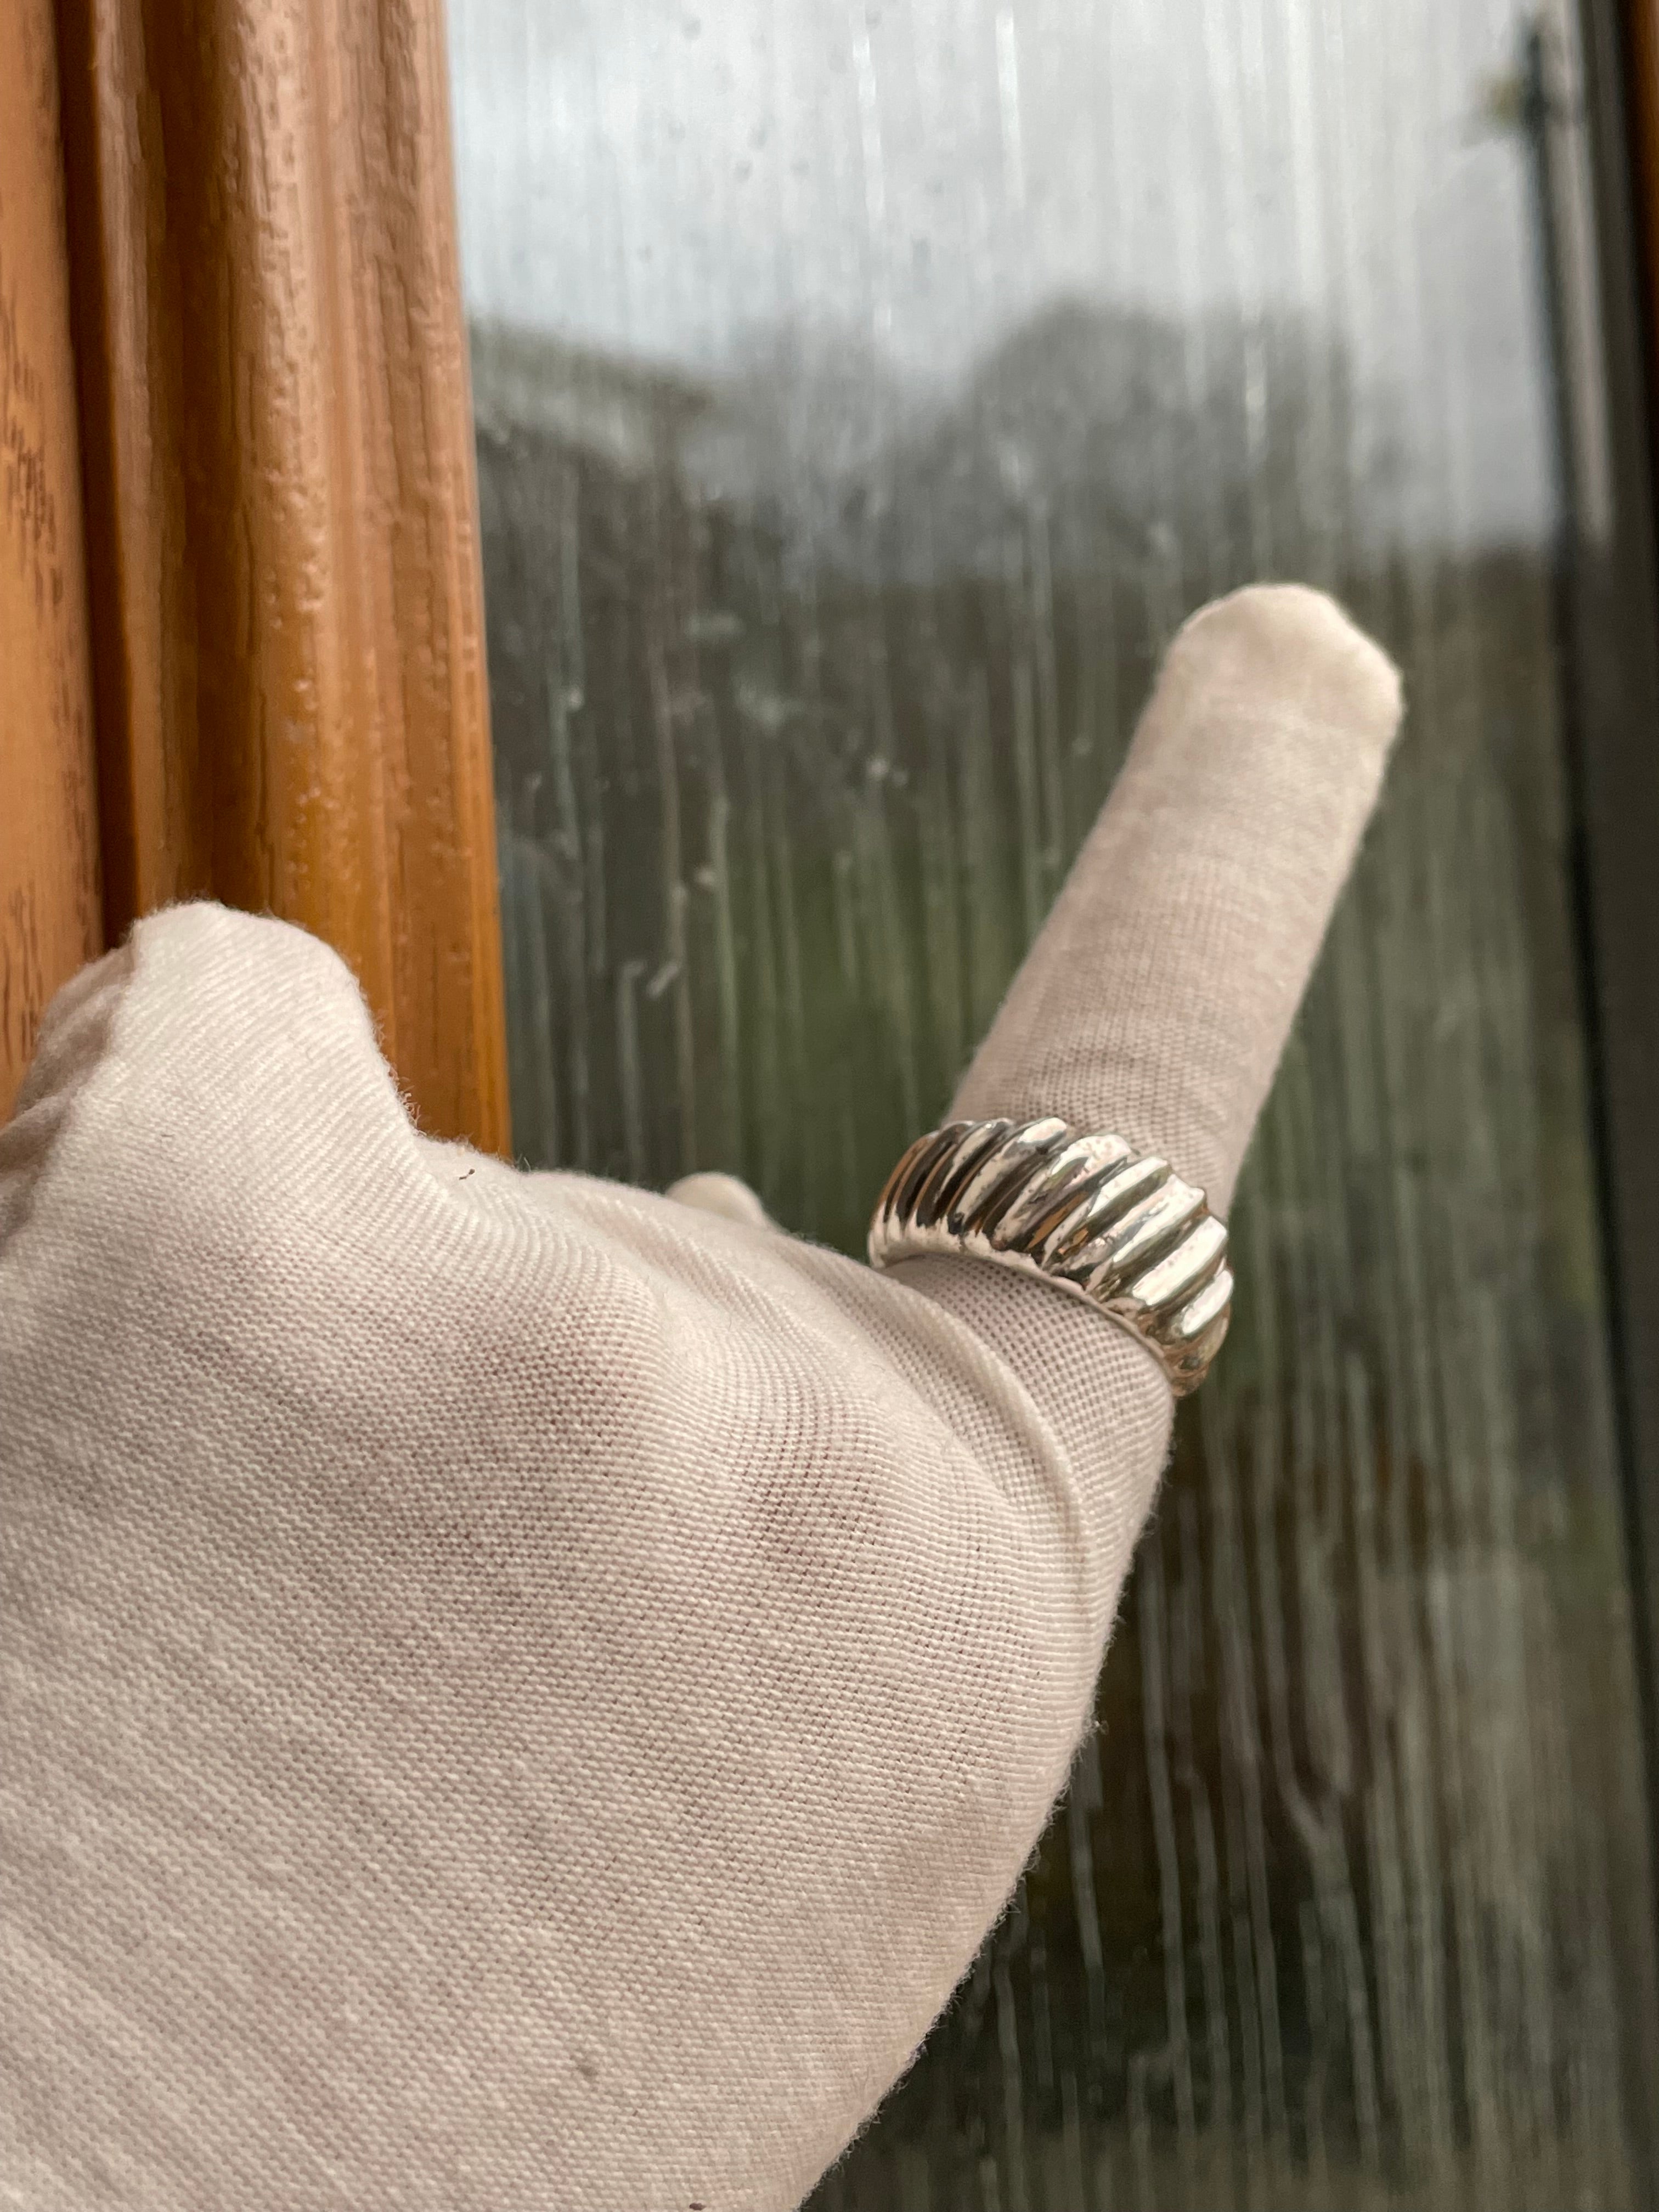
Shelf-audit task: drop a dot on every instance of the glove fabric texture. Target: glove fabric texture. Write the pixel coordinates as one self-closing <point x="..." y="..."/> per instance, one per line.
<point x="519" y="1695"/>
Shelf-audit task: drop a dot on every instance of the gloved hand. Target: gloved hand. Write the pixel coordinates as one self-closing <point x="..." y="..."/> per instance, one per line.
<point x="520" y="1693"/>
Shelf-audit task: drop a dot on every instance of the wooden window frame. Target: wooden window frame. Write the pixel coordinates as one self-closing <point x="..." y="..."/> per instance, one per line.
<point x="281" y="579"/>
<point x="50" y="908"/>
<point x="1611" y="607"/>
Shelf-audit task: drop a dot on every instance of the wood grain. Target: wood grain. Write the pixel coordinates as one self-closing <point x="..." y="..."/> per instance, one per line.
<point x="281" y="502"/>
<point x="50" y="920"/>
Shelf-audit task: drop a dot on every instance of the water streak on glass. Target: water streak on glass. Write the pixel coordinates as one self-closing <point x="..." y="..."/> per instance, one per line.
<point x="864" y="396"/>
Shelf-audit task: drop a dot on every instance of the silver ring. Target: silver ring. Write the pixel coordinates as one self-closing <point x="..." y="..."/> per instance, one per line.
<point x="1086" y="1213"/>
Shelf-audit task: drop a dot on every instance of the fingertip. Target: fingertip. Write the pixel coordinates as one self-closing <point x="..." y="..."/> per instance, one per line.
<point x="1300" y="639"/>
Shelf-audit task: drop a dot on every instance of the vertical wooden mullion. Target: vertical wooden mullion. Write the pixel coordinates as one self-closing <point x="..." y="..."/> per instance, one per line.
<point x="50" y="918"/>
<point x="284" y="579"/>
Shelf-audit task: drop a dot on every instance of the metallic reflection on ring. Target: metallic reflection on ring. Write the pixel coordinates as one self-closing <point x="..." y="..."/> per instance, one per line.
<point x="1085" y="1211"/>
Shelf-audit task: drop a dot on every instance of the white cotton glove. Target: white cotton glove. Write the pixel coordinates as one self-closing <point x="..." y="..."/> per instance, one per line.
<point x="522" y="1694"/>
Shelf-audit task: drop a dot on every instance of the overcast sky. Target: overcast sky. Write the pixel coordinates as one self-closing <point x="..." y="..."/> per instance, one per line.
<point x="669" y="178"/>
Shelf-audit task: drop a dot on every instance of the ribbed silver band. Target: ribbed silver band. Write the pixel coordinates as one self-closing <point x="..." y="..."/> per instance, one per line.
<point x="1086" y="1213"/>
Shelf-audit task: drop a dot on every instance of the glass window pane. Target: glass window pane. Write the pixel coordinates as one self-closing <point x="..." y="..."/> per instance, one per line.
<point x="864" y="395"/>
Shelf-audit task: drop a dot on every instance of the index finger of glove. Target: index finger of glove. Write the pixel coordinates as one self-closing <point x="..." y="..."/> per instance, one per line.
<point x="1157" y="999"/>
